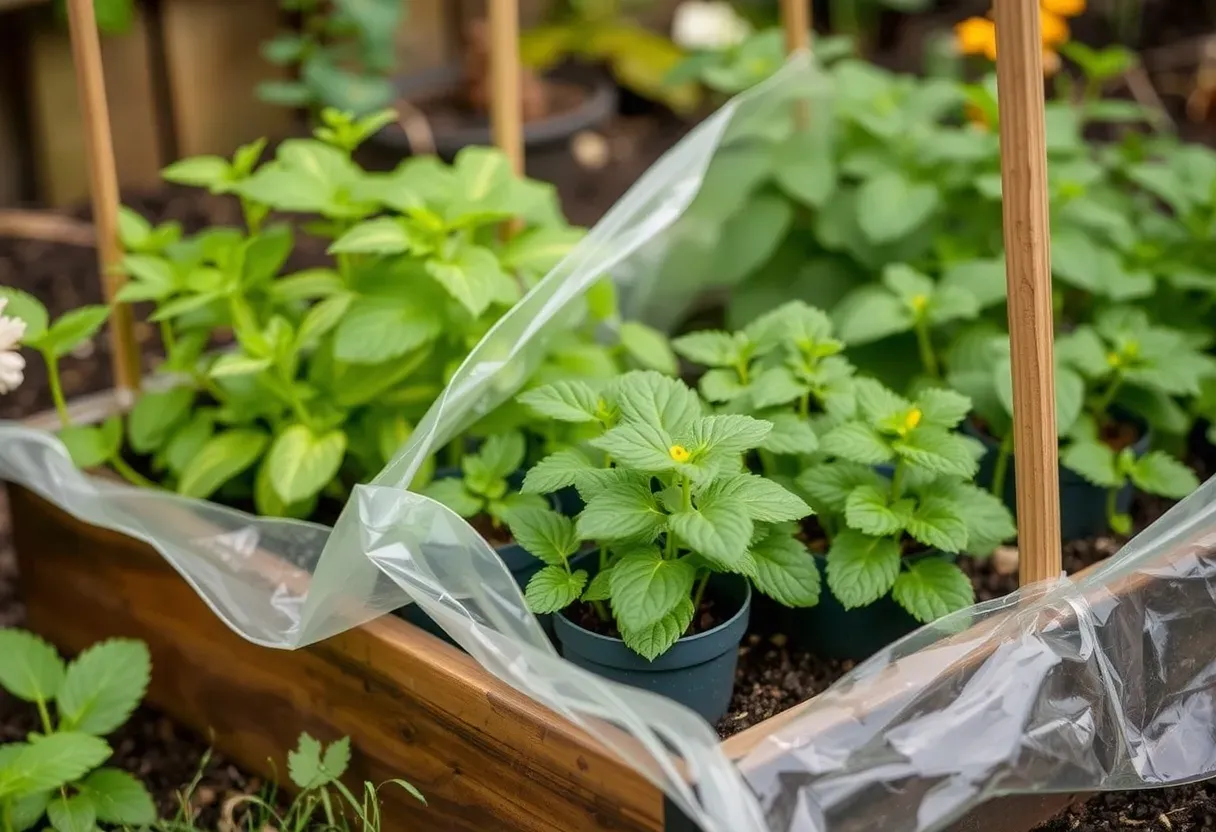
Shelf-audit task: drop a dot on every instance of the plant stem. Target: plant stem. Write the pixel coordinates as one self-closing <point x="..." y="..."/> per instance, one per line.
<point x="52" y="374"/>
<point x="897" y="481"/>
<point x="804" y="405"/>
<point x="925" y="344"/>
<point x="1111" y="391"/>
<point x="329" y="809"/>
<point x="45" y="716"/>
<point x="1002" y="467"/>
<point x="741" y="369"/>
<point x="686" y="493"/>
<point x="700" y="592"/>
<point x="130" y="474"/>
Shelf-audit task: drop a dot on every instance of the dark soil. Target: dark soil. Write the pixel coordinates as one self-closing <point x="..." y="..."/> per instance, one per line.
<point x="497" y="536"/>
<point x="1180" y="809"/>
<point x="710" y="614"/>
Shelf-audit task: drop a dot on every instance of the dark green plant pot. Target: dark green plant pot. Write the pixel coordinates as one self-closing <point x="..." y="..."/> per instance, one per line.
<point x="1082" y="504"/>
<point x="831" y="631"/>
<point x="698" y="671"/>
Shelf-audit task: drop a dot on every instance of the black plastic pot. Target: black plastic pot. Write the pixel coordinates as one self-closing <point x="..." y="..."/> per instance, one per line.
<point x="698" y="671"/>
<point x="597" y="107"/>
<point x="829" y="630"/>
<point x="1082" y="504"/>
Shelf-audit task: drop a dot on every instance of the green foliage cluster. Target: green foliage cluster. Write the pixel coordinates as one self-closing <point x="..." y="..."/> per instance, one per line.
<point x="887" y="213"/>
<point x="58" y="773"/>
<point x="342" y="55"/>
<point x="331" y="366"/>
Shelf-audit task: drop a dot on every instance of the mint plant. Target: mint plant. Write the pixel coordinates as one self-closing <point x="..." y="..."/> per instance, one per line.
<point x="668" y="504"/>
<point x="892" y="492"/>
<point x="58" y="772"/>
<point x="483" y="486"/>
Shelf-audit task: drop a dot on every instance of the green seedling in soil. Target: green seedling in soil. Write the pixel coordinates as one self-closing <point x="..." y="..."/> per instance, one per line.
<point x="668" y="504"/>
<point x="58" y="773"/>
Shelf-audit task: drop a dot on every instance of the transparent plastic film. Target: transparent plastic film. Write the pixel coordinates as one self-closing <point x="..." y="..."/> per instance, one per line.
<point x="1082" y="686"/>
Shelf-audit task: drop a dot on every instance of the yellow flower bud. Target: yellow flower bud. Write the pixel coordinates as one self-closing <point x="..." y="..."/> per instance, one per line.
<point x="679" y="453"/>
<point x="919" y="303"/>
<point x="912" y="419"/>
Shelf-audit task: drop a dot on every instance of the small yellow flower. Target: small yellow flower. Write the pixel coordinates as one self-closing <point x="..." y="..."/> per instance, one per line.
<point x="1113" y="359"/>
<point x="679" y="453"/>
<point x="1063" y="8"/>
<point x="975" y="36"/>
<point x="1055" y="30"/>
<point x="919" y="302"/>
<point x="912" y="419"/>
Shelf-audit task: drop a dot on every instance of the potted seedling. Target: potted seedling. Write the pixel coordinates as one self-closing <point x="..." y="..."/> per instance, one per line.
<point x="679" y="530"/>
<point x="1114" y="379"/>
<point x="895" y="503"/>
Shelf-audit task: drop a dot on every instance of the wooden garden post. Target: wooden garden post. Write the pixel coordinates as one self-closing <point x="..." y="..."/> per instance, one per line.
<point x="506" y="103"/>
<point x="796" y="20"/>
<point x="1028" y="273"/>
<point x="103" y="179"/>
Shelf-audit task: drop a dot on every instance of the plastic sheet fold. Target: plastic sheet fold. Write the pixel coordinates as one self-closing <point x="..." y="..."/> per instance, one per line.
<point x="1107" y="682"/>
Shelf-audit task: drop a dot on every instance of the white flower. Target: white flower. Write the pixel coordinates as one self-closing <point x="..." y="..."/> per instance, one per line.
<point x="12" y="364"/>
<point x="708" y="24"/>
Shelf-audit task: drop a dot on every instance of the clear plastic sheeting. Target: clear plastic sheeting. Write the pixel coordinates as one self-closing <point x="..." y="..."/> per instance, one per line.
<point x="1103" y="683"/>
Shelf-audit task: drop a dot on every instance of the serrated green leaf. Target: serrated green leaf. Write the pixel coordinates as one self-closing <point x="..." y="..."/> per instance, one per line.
<point x="725" y="434"/>
<point x="861" y="569"/>
<point x="71" y="814"/>
<point x="889" y="207"/>
<point x="877" y="403"/>
<point x="655" y="640"/>
<point x="712" y="348"/>
<point x="648" y="347"/>
<point x="474" y="278"/>
<point x="867" y="510"/>
<point x="931" y="588"/>
<point x="544" y="533"/>
<point x="304" y="764"/>
<point x="336" y="758"/>
<point x="382" y="235"/>
<point x="155" y="416"/>
<point x="118" y="798"/>
<point x="70" y="331"/>
<point x="30" y="668"/>
<point x="375" y="331"/>
<point x="26" y="812"/>
<point x="639" y="445"/>
<point x="718" y="528"/>
<point x="104" y="685"/>
<point x="1094" y="461"/>
<point x="655" y="399"/>
<point x="938" y="522"/>
<point x="224" y="456"/>
<point x="600" y="587"/>
<point x="943" y="408"/>
<point x="765" y="500"/>
<point x="870" y="314"/>
<point x="559" y="470"/>
<point x="622" y="510"/>
<point x="721" y="385"/>
<point x="938" y="451"/>
<point x="776" y="386"/>
<point x="1159" y="473"/>
<point x="51" y="762"/>
<point x="989" y="522"/>
<point x="552" y="589"/>
<point x="302" y="463"/>
<point x="857" y="442"/>
<point x="566" y="401"/>
<point x="785" y="570"/>
<point x="790" y="435"/>
<point x="499" y="456"/>
<point x="828" y="485"/>
<point x="646" y="587"/>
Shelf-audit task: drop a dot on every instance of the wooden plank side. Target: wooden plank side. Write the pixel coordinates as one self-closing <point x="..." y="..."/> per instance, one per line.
<point x="58" y="130"/>
<point x="214" y="64"/>
<point x="484" y="756"/>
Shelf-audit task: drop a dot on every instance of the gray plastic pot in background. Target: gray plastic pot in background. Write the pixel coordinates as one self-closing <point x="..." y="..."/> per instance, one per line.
<point x="1082" y="504"/>
<point x="599" y="105"/>
<point x="698" y="671"/>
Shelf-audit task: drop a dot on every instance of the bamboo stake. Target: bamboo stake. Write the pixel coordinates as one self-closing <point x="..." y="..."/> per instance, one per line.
<point x="103" y="180"/>
<point x="796" y="19"/>
<point x="1028" y="273"/>
<point x="506" y="102"/>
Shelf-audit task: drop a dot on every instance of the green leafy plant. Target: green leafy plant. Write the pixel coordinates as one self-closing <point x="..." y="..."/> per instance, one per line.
<point x="668" y="504"/>
<point x="600" y="31"/>
<point x="58" y="772"/>
<point x="331" y="366"/>
<point x="342" y="56"/>
<point x="893" y="495"/>
<point x="483" y="487"/>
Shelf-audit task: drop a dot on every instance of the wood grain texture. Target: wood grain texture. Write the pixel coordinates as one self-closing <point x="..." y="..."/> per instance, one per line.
<point x="506" y="103"/>
<point x="1028" y="273"/>
<point x="214" y="62"/>
<point x="57" y="122"/>
<point x="796" y="20"/>
<point x="486" y="757"/>
<point x="103" y="187"/>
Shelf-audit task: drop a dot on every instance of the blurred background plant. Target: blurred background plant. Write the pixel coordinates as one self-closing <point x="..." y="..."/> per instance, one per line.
<point x="343" y="54"/>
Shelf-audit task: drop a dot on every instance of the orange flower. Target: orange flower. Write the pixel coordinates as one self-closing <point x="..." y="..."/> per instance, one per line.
<point x="1055" y="29"/>
<point x="1063" y="8"/>
<point x="976" y="36"/>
